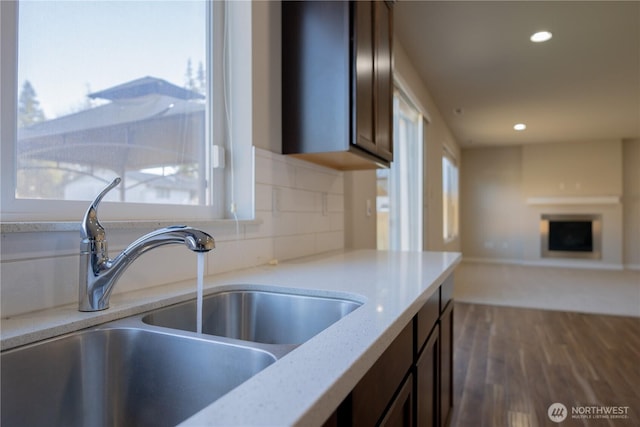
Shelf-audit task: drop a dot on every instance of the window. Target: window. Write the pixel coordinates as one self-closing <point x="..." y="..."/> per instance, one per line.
<point x="135" y="89"/>
<point x="399" y="200"/>
<point x="449" y="197"/>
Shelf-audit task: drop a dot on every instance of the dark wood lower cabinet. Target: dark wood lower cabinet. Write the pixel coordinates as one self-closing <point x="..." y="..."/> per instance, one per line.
<point x="446" y="364"/>
<point x="373" y="394"/>
<point x="411" y="384"/>
<point x="427" y="370"/>
<point x="400" y="413"/>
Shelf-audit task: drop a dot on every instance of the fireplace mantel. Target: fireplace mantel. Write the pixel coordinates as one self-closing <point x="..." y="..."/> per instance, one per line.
<point x="574" y="200"/>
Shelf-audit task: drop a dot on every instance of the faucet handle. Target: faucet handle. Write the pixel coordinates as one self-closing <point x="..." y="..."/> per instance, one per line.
<point x="91" y="228"/>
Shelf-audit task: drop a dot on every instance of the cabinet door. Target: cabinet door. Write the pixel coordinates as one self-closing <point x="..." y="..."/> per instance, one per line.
<point x="364" y="75"/>
<point x="383" y="95"/>
<point x="426" y="319"/>
<point x="427" y="387"/>
<point x="446" y="364"/>
<point x="372" y="395"/>
<point x="400" y="414"/>
<point x="316" y="77"/>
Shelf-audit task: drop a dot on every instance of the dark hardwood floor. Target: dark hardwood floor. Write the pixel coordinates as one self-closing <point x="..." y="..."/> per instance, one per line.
<point x="511" y="364"/>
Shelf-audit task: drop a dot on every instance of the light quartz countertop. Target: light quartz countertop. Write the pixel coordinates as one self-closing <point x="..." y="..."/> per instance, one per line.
<point x="308" y="384"/>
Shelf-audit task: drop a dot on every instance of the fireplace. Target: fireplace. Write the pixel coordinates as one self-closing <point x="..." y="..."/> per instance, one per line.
<point x="570" y="236"/>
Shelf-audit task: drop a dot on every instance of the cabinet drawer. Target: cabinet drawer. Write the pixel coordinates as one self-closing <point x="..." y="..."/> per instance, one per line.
<point x="446" y="292"/>
<point x="375" y="390"/>
<point x="426" y="319"/>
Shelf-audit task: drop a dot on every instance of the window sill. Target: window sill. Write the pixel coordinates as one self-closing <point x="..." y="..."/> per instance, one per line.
<point x="33" y="226"/>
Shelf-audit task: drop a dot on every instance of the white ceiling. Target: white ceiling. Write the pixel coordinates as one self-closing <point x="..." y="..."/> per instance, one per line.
<point x="583" y="84"/>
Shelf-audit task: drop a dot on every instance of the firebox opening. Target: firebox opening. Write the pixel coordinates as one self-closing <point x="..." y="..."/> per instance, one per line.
<point x="570" y="236"/>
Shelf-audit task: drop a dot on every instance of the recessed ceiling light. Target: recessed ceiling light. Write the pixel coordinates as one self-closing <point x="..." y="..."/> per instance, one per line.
<point x="541" y="36"/>
<point x="520" y="126"/>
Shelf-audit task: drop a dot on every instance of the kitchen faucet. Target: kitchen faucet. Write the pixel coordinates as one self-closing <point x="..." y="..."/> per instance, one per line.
<point x="99" y="273"/>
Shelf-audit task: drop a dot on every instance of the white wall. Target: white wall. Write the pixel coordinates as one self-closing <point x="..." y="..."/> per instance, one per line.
<point x="631" y="202"/>
<point x="491" y="203"/>
<point x="500" y="222"/>
<point x="592" y="168"/>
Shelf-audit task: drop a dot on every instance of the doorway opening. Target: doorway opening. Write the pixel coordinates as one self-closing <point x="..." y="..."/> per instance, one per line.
<point x="399" y="188"/>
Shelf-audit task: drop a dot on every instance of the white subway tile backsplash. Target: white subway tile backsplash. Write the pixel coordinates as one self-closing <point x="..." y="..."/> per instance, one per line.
<point x="294" y="200"/>
<point x="240" y="254"/>
<point x="264" y="197"/>
<point x="306" y="216"/>
<point x="18" y="246"/>
<point x="36" y="284"/>
<point x="329" y="241"/>
<point x="230" y="231"/>
<point x="337" y="186"/>
<point x="313" y="180"/>
<point x="314" y="222"/>
<point x="335" y="202"/>
<point x="290" y="247"/>
<point x="270" y="170"/>
<point x="287" y="224"/>
<point x="336" y="221"/>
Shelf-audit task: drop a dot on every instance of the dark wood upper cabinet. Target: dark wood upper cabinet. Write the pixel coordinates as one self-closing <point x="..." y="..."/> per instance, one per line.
<point x="337" y="84"/>
<point x="364" y="74"/>
<point x="383" y="16"/>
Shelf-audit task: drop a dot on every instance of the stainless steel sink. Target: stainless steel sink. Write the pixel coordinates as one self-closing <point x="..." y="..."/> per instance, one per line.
<point x="120" y="376"/>
<point x="258" y="316"/>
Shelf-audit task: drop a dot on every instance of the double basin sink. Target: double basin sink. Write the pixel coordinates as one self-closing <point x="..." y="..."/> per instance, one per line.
<point x="154" y="369"/>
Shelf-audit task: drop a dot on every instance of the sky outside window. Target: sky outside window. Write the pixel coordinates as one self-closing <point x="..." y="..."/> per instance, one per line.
<point x="70" y="48"/>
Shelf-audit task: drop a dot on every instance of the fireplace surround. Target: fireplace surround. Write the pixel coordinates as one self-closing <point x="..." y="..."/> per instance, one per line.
<point x="571" y="236"/>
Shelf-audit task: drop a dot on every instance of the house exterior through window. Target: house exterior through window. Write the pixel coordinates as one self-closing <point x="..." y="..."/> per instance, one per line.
<point x="133" y="89"/>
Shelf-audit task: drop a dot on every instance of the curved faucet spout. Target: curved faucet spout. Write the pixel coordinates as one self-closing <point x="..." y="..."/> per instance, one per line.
<point x="194" y="239"/>
<point x="99" y="273"/>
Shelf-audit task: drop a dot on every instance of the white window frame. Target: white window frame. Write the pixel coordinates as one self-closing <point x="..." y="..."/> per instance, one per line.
<point x="406" y="208"/>
<point x="232" y="23"/>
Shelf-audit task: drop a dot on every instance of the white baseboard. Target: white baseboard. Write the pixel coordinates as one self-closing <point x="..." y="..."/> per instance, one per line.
<point x="492" y="260"/>
<point x="590" y="265"/>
